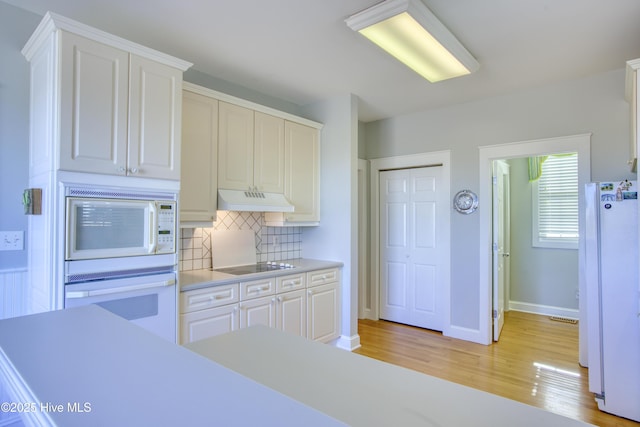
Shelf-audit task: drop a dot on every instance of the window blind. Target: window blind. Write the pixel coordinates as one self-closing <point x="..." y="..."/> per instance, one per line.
<point x="555" y="198"/>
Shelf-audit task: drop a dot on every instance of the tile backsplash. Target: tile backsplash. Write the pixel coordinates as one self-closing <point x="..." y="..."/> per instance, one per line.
<point x="272" y="243"/>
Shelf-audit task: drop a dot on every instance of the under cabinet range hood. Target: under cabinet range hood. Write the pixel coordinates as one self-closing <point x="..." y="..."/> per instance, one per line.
<point x="252" y="201"/>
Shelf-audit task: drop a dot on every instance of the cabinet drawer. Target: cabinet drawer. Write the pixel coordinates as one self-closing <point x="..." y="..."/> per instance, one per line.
<point x="257" y="288"/>
<point x="291" y="282"/>
<point x="214" y="296"/>
<point x="320" y="277"/>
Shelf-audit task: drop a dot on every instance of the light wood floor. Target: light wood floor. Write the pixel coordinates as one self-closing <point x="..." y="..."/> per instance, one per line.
<point x="535" y="362"/>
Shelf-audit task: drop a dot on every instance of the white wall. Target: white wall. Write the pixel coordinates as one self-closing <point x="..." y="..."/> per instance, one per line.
<point x="16" y="26"/>
<point x="590" y="105"/>
<point x="336" y="237"/>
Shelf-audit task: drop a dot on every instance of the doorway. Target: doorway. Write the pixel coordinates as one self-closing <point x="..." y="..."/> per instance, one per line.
<point x="579" y="144"/>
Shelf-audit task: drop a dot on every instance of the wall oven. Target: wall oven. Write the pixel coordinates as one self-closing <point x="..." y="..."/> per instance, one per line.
<point x="148" y="301"/>
<point x="120" y="253"/>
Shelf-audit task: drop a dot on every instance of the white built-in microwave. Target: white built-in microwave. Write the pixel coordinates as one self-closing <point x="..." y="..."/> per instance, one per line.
<point x="107" y="228"/>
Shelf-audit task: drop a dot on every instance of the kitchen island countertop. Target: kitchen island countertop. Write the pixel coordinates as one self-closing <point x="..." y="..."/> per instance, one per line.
<point x="204" y="278"/>
<point x="362" y="391"/>
<point x="85" y="366"/>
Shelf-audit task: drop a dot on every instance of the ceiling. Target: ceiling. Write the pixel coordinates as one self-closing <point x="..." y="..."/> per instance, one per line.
<point x="301" y="51"/>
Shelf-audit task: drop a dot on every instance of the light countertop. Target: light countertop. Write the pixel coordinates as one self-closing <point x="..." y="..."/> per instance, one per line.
<point x="197" y="279"/>
<point x="362" y="391"/>
<point x="85" y="366"/>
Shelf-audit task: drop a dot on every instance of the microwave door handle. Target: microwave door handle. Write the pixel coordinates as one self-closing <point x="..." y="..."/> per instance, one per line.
<point x="153" y="228"/>
<point x="117" y="290"/>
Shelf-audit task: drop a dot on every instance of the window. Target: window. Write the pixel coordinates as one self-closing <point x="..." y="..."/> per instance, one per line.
<point x="555" y="203"/>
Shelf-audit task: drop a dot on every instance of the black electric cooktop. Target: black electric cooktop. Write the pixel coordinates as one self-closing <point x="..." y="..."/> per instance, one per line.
<point x="254" y="268"/>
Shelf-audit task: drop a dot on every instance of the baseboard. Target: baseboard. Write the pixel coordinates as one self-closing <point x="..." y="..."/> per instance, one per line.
<point x="347" y="343"/>
<point x="545" y="310"/>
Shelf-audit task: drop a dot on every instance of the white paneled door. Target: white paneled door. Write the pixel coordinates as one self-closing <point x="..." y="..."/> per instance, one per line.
<point x="411" y="258"/>
<point x="501" y="226"/>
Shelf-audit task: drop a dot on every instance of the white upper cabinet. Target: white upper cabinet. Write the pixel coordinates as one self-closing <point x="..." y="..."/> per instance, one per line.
<point x="199" y="172"/>
<point x="302" y="172"/>
<point x="268" y="161"/>
<point x="259" y="149"/>
<point x="118" y="103"/>
<point x="251" y="150"/>
<point x="235" y="149"/>
<point x="155" y="118"/>
<point x="94" y="106"/>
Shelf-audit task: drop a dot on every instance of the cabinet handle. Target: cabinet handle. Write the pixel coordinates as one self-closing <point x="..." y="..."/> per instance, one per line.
<point x="121" y="169"/>
<point x="134" y="171"/>
<point x="280" y="300"/>
<point x="309" y="292"/>
<point x="273" y="300"/>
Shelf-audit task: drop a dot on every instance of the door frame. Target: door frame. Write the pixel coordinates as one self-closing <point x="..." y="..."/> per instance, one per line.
<point x="575" y="143"/>
<point x="437" y="158"/>
<point x="364" y="290"/>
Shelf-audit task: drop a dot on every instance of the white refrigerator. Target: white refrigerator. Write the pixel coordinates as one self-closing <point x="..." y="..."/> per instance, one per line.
<point x="613" y="296"/>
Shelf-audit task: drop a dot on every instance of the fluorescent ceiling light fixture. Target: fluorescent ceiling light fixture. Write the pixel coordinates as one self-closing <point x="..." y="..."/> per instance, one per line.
<point x="408" y="30"/>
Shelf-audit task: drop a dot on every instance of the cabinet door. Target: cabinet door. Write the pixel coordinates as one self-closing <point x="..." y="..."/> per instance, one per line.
<point x="155" y="117"/>
<point x="260" y="311"/>
<point x="208" y="323"/>
<point x="268" y="161"/>
<point x="302" y="172"/>
<point x="199" y="170"/>
<point x="235" y="147"/>
<point x="323" y="313"/>
<point x="93" y="106"/>
<point x="291" y="312"/>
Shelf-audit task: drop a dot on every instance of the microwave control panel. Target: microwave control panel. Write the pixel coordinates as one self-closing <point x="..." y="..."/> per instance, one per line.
<point x="166" y="227"/>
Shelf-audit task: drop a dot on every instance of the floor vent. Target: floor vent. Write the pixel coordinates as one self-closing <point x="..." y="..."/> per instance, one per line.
<point x="563" y="319"/>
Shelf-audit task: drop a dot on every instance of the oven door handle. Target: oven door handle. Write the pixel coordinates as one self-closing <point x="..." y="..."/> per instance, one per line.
<point x="117" y="290"/>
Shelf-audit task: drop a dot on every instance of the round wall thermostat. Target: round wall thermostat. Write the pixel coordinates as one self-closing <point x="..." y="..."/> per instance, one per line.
<point x="465" y="201"/>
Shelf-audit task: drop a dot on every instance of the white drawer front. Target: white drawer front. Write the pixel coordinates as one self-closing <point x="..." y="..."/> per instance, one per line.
<point x="257" y="288"/>
<point x="320" y="277"/>
<point x="291" y="282"/>
<point x="214" y="296"/>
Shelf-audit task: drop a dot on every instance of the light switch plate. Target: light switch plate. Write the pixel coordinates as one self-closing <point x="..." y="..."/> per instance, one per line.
<point x="11" y="240"/>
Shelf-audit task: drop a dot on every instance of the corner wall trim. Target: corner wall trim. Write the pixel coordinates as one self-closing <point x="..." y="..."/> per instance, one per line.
<point x="348" y="343"/>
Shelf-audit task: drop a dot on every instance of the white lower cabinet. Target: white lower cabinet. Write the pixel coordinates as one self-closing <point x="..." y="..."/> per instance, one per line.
<point x="208" y="323"/>
<point x="259" y="311"/>
<point x="208" y="312"/>
<point x="291" y="304"/>
<point x="304" y="304"/>
<point x="323" y="305"/>
<point x="291" y="312"/>
<point x="322" y="313"/>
